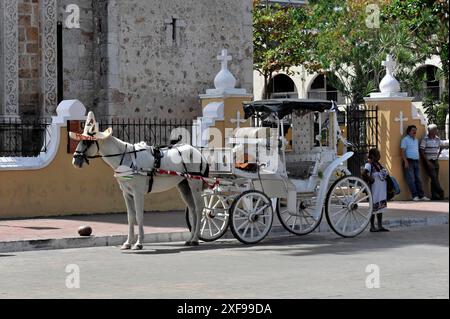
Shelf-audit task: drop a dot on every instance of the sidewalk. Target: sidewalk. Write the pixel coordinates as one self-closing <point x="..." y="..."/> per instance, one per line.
<point x="111" y="230"/>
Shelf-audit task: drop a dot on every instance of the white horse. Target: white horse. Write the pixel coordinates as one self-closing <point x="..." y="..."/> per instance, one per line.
<point x="139" y="161"/>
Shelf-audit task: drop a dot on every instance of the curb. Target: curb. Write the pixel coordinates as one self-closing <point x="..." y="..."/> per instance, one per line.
<point x="117" y="240"/>
<point x="85" y="242"/>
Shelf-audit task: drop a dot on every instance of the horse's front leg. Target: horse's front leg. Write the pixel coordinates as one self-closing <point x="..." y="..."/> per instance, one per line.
<point x="131" y="213"/>
<point x="139" y="207"/>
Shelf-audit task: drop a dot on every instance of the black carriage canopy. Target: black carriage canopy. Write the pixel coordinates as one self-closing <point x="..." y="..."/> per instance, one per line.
<point x="283" y="107"/>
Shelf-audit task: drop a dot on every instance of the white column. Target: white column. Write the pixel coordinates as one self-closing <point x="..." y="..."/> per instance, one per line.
<point x="49" y="79"/>
<point x="9" y="58"/>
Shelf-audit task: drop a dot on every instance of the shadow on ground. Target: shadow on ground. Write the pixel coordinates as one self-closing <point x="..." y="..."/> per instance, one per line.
<point x="319" y="244"/>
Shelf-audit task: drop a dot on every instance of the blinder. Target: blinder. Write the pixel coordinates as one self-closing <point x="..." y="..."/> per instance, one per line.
<point x="82" y="154"/>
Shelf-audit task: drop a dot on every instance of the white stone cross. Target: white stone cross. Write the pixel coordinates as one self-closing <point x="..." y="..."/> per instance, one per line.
<point x="390" y="65"/>
<point x="224" y="58"/>
<point x="402" y="120"/>
<point x="238" y="120"/>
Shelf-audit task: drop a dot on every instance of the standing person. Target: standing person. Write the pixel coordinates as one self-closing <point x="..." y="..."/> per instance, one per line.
<point x="376" y="175"/>
<point x="430" y="150"/>
<point x="410" y="155"/>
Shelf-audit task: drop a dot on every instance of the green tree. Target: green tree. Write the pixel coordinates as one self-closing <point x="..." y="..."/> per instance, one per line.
<point x="279" y="39"/>
<point x="351" y="46"/>
<point x="428" y="23"/>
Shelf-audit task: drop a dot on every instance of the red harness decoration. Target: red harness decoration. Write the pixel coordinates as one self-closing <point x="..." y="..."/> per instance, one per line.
<point x="189" y="176"/>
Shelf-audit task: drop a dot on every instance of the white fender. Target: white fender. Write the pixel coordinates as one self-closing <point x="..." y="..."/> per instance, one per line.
<point x="324" y="184"/>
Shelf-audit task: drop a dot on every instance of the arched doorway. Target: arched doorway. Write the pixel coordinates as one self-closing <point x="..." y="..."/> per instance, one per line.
<point x="322" y="88"/>
<point x="431" y="86"/>
<point x="282" y="86"/>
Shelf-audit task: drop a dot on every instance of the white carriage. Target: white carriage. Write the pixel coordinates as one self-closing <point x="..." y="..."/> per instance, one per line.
<point x="263" y="170"/>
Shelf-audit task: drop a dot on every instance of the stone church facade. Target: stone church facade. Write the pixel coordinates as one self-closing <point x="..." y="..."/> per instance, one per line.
<point x="135" y="58"/>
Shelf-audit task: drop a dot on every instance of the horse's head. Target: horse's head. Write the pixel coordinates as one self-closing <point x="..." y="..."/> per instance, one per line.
<point x="88" y="145"/>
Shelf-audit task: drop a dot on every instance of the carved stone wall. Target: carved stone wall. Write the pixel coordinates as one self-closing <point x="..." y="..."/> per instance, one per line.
<point x="38" y="22"/>
<point x="9" y="105"/>
<point x="49" y="82"/>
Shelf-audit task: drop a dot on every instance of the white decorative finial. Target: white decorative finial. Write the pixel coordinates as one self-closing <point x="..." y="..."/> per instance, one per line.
<point x="224" y="57"/>
<point x="224" y="79"/>
<point x="389" y="84"/>
<point x="390" y="65"/>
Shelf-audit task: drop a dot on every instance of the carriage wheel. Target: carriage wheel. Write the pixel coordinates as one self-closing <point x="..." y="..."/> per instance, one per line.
<point x="251" y="217"/>
<point x="302" y="221"/>
<point x="215" y="217"/>
<point x="349" y="206"/>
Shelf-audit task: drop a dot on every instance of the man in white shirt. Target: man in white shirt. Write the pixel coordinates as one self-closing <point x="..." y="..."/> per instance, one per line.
<point x="430" y="150"/>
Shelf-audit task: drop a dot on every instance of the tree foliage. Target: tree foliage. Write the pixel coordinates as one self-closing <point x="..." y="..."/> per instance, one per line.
<point x="279" y="39"/>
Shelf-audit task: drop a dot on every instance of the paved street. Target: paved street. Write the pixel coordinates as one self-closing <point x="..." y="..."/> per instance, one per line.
<point x="413" y="263"/>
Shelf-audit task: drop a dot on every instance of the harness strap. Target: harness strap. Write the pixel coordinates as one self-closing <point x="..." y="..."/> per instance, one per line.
<point x="123" y="155"/>
<point x="182" y="161"/>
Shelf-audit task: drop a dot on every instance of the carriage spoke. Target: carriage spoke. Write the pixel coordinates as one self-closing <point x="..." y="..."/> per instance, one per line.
<point x="262" y="224"/>
<point x="243" y="213"/>
<point x="216" y="204"/>
<point x="214" y="223"/>
<point x="257" y="203"/>
<point x="257" y="228"/>
<point x="338" y="212"/>
<point x="293" y="223"/>
<point x="359" y="191"/>
<point x="262" y="209"/>
<point x="242" y="225"/>
<point x="363" y="199"/>
<point x="211" y="200"/>
<point x="210" y="229"/>
<point x="349" y="190"/>
<point x="340" y="220"/>
<point x="245" y="230"/>
<point x="203" y="228"/>
<point x="345" y="222"/>
<point x="363" y="216"/>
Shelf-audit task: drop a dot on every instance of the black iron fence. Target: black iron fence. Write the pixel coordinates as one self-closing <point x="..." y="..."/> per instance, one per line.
<point x="153" y="132"/>
<point x="362" y="128"/>
<point x="23" y="137"/>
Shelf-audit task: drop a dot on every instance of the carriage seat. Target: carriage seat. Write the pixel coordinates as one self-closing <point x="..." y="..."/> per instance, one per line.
<point x="264" y="136"/>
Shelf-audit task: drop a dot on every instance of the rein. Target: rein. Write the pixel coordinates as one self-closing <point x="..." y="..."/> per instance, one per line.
<point x="87" y="158"/>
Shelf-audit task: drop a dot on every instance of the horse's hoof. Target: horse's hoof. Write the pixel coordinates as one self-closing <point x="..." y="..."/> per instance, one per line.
<point x="137" y="247"/>
<point x="191" y="243"/>
<point x="125" y="247"/>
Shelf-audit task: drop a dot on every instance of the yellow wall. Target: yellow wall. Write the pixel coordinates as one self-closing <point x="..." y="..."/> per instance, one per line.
<point x="389" y="143"/>
<point x="60" y="189"/>
<point x="231" y="106"/>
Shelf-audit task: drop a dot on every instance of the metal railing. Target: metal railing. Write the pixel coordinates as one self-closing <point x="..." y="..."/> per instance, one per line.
<point x="23" y="137"/>
<point x="153" y="132"/>
<point x="327" y="95"/>
<point x="362" y="126"/>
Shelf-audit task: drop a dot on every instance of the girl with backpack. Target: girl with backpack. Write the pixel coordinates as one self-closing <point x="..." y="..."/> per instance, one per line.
<point x="376" y="176"/>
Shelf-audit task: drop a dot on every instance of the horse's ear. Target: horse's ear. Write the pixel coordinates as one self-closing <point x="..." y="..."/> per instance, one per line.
<point x="104" y="135"/>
